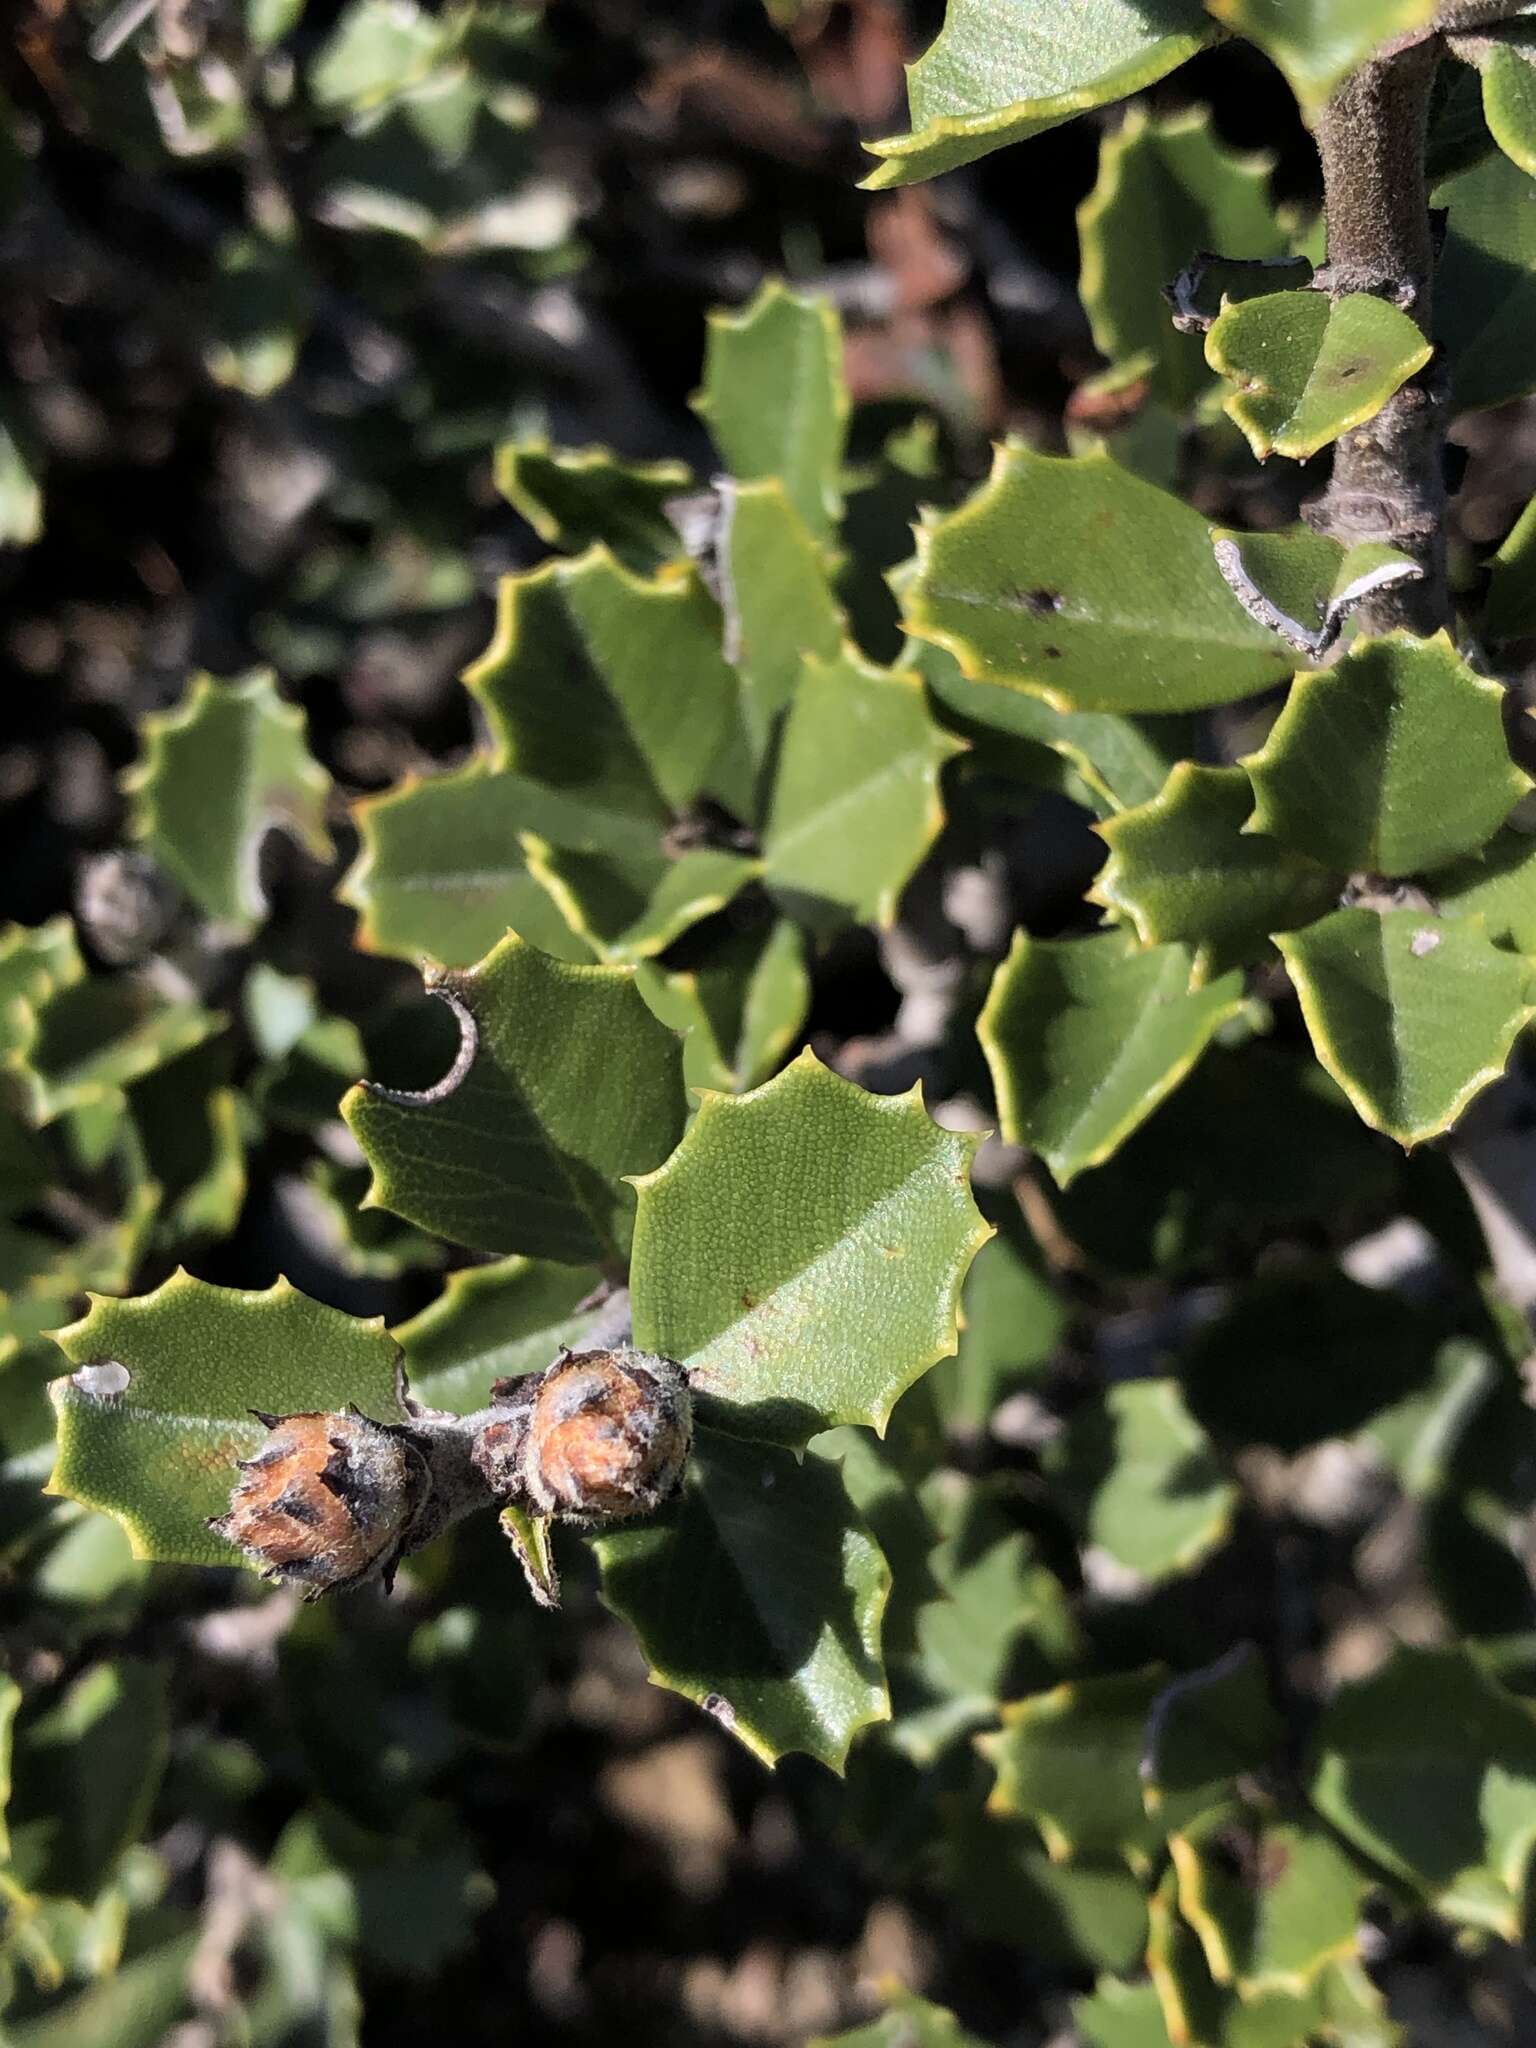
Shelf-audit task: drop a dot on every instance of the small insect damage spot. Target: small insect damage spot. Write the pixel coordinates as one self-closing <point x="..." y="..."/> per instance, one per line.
<point x="106" y="1380"/>
<point x="719" y="1708"/>
<point x="1040" y="603"/>
<point x="1423" y="941"/>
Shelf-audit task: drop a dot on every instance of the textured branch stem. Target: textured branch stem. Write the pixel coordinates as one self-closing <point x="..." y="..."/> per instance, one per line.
<point x="1388" y="479"/>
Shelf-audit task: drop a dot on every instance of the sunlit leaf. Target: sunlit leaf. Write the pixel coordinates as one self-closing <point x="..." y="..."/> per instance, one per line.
<point x="1412" y="1016"/>
<point x="565" y="1085"/>
<point x="802" y="1252"/>
<point x="1084" y="1038"/>
<point x="1308" y="367"/>
<point x="159" y="1407"/>
<point x="1392" y="762"/>
<point x="229" y="764"/>
<point x="998" y="74"/>
<point x="1077" y="581"/>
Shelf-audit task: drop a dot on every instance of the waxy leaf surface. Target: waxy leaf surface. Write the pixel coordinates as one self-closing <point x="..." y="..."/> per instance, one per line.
<point x="1184" y="868"/>
<point x="606" y="687"/>
<point x="1151" y="1490"/>
<point x="444" y="871"/>
<point x="1085" y="1037"/>
<point x="1077" y="581"/>
<point x="1316" y="42"/>
<point x="1429" y="1768"/>
<point x="1411" y="1015"/>
<point x="998" y="73"/>
<point x="759" y="1593"/>
<point x="1308" y="368"/>
<point x="494" y="1322"/>
<point x="802" y="1253"/>
<point x="856" y="796"/>
<point x="577" y="498"/>
<point x="1165" y="189"/>
<point x="1123" y="761"/>
<point x="1070" y="1761"/>
<point x="155" y="1442"/>
<point x="564" y="1085"/>
<point x="1393" y="762"/>
<point x="226" y="766"/>
<point x="1273" y="1902"/>
<point x="774" y="401"/>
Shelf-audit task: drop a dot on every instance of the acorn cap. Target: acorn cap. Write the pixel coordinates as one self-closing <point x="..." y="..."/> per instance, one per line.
<point x="327" y="1501"/>
<point x="607" y="1435"/>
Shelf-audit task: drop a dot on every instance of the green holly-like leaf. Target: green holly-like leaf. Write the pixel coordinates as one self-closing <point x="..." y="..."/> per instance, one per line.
<point x="565" y="1083"/>
<point x="1165" y="189"/>
<point x="1154" y="1494"/>
<point x="494" y="1322"/>
<point x="1069" y="1761"/>
<point x="1485" y="284"/>
<point x="576" y="498"/>
<point x="1206" y="1730"/>
<point x="1000" y="74"/>
<point x="759" y="1594"/>
<point x="1120" y="2015"/>
<point x="1273" y="1902"/>
<point x="1000" y="1622"/>
<point x="1006" y="1885"/>
<point x="1085" y="1037"/>
<point x="1316" y="43"/>
<point x="1511" y="613"/>
<point x="1429" y="1768"/>
<point x="742" y="1009"/>
<point x="774" y="401"/>
<point x="856" y="797"/>
<point x="1073" y="579"/>
<point x="907" y="2022"/>
<point x="606" y="687"/>
<point x="88" y="1040"/>
<point x="1411" y="1015"/>
<point x="802" y="1253"/>
<point x="1184" y="868"/>
<point x="1497" y="885"/>
<point x="779" y="607"/>
<point x="444" y="868"/>
<point x="1392" y="762"/>
<point x="1308" y="367"/>
<point x="1123" y="761"/>
<point x="632" y="910"/>
<point x="1191" y="2002"/>
<point x="153" y="1420"/>
<point x="226" y="766"/>
<point x="1509" y="103"/>
<point x="87" y="1771"/>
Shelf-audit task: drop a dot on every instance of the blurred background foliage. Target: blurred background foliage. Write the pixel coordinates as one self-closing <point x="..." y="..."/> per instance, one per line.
<point x="277" y="277"/>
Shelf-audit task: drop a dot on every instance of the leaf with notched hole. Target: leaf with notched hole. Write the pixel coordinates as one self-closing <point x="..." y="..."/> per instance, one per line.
<point x="153" y="1419"/>
<point x="565" y="1085"/>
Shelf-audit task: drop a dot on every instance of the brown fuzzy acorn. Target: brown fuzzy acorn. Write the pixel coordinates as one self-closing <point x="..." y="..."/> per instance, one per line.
<point x="599" y="1436"/>
<point x="327" y="1501"/>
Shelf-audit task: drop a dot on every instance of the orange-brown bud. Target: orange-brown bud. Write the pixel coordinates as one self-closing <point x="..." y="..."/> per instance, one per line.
<point x="598" y="1437"/>
<point x="327" y="1501"/>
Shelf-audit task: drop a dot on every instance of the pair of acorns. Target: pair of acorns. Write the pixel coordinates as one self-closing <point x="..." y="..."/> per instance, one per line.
<point x="331" y="1501"/>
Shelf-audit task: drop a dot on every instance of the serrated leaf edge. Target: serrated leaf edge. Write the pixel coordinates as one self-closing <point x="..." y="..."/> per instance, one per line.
<point x="715" y="1103"/>
<point x="1052" y="109"/>
<point x="1328" y="1056"/>
<point x="1283" y="443"/>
